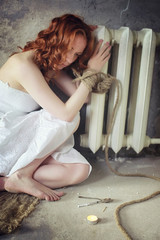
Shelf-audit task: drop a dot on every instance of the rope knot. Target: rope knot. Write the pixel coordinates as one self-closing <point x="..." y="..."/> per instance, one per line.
<point x="97" y="82"/>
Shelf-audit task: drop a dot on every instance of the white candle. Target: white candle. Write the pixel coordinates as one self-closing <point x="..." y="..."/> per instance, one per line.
<point x="92" y="219"/>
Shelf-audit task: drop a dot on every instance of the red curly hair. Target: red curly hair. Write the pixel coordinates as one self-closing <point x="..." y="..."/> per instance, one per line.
<point x="52" y="44"/>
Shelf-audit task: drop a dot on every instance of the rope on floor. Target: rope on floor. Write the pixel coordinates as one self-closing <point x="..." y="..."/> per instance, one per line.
<point x="118" y="209"/>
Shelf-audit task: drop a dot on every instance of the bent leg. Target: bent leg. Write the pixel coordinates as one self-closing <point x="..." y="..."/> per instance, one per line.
<point x="56" y="175"/>
<point x="21" y="176"/>
<point x="22" y="181"/>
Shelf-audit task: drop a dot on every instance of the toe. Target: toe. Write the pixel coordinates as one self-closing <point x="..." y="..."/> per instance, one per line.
<point x="60" y="194"/>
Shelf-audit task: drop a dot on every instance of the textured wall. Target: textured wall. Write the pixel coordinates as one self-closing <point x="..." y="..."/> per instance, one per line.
<point x="21" y="20"/>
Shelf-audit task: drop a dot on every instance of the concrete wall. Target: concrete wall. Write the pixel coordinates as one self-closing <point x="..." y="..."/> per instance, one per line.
<point x="21" y="20"/>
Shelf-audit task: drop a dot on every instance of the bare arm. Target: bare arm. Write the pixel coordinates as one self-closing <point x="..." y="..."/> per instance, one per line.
<point x="30" y="77"/>
<point x="65" y="84"/>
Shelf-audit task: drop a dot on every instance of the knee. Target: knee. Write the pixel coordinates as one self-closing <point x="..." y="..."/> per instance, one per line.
<point x="80" y="174"/>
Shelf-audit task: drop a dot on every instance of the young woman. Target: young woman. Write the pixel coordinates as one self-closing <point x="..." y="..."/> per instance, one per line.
<point x="36" y="127"/>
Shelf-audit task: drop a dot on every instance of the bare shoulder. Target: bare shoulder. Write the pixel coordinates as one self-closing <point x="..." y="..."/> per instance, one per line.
<point x="18" y="69"/>
<point x="17" y="66"/>
<point x="23" y="62"/>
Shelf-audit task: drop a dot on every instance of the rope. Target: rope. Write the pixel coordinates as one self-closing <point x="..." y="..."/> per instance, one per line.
<point x="100" y="82"/>
<point x="97" y="82"/>
<point x="118" y="209"/>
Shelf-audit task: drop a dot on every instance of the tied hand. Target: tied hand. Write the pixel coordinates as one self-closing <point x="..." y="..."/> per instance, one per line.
<point x="92" y="77"/>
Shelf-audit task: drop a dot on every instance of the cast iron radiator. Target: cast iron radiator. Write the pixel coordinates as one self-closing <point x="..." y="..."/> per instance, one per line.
<point x="132" y="63"/>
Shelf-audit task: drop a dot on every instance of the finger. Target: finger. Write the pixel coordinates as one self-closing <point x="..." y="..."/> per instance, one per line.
<point x="105" y="49"/>
<point x="106" y="58"/>
<point x="106" y="52"/>
<point x="98" y="46"/>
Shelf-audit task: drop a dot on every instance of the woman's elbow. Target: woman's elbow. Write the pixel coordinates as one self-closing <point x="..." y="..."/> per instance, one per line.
<point x="75" y="120"/>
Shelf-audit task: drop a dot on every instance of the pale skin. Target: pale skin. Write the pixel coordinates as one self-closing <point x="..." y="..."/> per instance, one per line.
<point x="40" y="177"/>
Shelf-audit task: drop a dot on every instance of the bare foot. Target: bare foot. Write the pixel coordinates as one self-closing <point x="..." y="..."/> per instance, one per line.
<point x="17" y="183"/>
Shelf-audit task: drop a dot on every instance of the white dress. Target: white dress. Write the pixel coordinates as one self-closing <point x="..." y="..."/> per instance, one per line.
<point x="27" y="133"/>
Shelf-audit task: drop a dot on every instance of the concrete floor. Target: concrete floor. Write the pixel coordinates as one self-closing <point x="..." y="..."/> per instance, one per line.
<point x="63" y="220"/>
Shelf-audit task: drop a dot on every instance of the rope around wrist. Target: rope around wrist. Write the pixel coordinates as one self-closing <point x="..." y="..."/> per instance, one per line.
<point x="88" y="77"/>
<point x="104" y="84"/>
<point x="97" y="82"/>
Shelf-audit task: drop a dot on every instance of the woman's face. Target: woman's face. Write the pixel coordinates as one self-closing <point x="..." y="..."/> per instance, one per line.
<point x="77" y="47"/>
